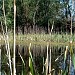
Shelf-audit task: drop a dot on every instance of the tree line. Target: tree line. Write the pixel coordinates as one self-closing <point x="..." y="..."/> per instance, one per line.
<point x="39" y="16"/>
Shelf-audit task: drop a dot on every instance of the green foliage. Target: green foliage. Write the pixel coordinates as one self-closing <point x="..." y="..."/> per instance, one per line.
<point x="43" y="11"/>
<point x="23" y="69"/>
<point x="8" y="5"/>
<point x="73" y="59"/>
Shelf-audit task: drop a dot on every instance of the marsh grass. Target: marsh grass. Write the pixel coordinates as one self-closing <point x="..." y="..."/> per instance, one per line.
<point x="69" y="61"/>
<point x="41" y="38"/>
<point x="31" y="65"/>
<point x="67" y="53"/>
<point x="23" y="65"/>
<point x="60" y="38"/>
<point x="67" y="67"/>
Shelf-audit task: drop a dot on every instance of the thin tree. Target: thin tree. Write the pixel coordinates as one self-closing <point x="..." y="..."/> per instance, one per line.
<point x="7" y="40"/>
<point x="71" y="16"/>
<point x="34" y="16"/>
<point x="71" y="24"/>
<point x="14" y="66"/>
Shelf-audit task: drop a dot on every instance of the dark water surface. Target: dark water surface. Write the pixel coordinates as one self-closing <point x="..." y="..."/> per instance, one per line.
<point x="38" y="52"/>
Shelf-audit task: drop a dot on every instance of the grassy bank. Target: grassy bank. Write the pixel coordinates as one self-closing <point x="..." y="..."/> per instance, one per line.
<point x="56" y="38"/>
<point x="42" y="38"/>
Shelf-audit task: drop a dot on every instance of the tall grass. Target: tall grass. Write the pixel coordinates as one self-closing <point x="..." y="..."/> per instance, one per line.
<point x="60" y="38"/>
<point x="54" y="38"/>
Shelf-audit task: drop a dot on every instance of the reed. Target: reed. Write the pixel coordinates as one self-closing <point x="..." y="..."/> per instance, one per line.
<point x="31" y="66"/>
<point x="69" y="63"/>
<point x="43" y="66"/>
<point x="14" y="63"/>
<point x="0" y="61"/>
<point x="50" y="63"/>
<point x="46" y="62"/>
<point x="65" y="71"/>
<point x="23" y="65"/>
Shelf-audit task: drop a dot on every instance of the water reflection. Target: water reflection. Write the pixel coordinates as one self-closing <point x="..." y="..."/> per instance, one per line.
<point x="38" y="52"/>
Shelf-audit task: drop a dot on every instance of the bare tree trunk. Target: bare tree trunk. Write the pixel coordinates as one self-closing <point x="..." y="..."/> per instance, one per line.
<point x="46" y="62"/>
<point x="34" y="22"/>
<point x="71" y="16"/>
<point x="48" y="27"/>
<point x="4" y="17"/>
<point x="71" y="24"/>
<point x="6" y="39"/>
<point x="50" y="63"/>
<point x="25" y="30"/>
<point x="66" y="29"/>
<point x="14" y="66"/>
<point x="36" y="29"/>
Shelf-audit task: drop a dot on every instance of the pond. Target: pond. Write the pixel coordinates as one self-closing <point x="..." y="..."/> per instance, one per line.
<point x="39" y="55"/>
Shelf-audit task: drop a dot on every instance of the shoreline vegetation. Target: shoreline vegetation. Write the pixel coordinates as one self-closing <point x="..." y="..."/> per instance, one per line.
<point x="55" y="23"/>
<point x="41" y="38"/>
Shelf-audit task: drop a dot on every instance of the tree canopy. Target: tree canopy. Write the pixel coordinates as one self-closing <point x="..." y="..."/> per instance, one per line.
<point x="35" y="14"/>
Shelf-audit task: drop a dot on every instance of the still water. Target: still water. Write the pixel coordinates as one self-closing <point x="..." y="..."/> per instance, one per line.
<point x="39" y="53"/>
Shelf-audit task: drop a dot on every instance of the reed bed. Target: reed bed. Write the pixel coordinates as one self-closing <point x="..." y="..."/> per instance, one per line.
<point x="60" y="38"/>
<point x="43" y="38"/>
<point x="68" y="58"/>
<point x="68" y="62"/>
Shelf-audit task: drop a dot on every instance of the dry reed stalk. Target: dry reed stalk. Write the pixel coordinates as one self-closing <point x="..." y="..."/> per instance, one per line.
<point x="43" y="65"/>
<point x="29" y="52"/>
<point x="6" y="40"/>
<point x="71" y="52"/>
<point x="46" y="62"/>
<point x="50" y="63"/>
<point x="21" y="58"/>
<point x="58" y="57"/>
<point x="31" y="63"/>
<point x="71" y="24"/>
<point x="14" y="63"/>
<point x="66" y="51"/>
<point x="50" y="49"/>
<point x="0" y="61"/>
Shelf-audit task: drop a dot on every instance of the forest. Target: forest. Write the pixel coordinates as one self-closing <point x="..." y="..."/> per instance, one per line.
<point x="39" y="16"/>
